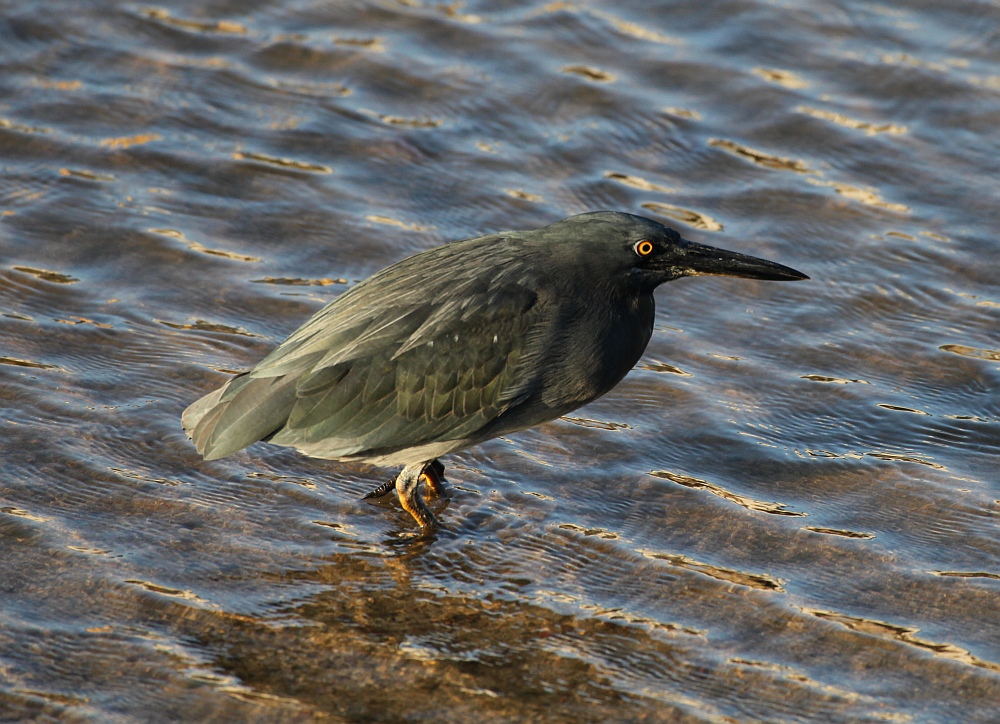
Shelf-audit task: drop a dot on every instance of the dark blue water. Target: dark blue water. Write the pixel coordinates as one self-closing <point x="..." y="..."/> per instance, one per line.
<point x="787" y="512"/>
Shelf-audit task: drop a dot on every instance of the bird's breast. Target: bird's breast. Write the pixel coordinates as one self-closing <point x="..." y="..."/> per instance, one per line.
<point x="596" y="348"/>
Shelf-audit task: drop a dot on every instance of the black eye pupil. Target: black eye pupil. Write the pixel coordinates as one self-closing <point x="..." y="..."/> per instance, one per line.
<point x="645" y="248"/>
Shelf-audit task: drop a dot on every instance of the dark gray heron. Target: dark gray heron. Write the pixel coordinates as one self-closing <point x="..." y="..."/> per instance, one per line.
<point x="460" y="344"/>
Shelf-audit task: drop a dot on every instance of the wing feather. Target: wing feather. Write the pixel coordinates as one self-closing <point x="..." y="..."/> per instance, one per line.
<point x="440" y="389"/>
<point x="430" y="349"/>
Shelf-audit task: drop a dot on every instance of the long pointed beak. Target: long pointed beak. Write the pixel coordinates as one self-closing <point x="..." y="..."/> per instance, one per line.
<point x="693" y="259"/>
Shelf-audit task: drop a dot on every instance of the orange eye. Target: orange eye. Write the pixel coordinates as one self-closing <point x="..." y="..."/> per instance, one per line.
<point x="644" y="247"/>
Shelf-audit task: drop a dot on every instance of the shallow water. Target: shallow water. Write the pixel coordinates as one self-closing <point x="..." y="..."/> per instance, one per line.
<point x="787" y="512"/>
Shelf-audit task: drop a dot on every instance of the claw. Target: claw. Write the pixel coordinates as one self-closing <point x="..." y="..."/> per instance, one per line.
<point x="432" y="476"/>
<point x="405" y="484"/>
<point x="406" y="487"/>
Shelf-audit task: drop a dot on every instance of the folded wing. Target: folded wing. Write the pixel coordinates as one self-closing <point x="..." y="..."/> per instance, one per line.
<point x="383" y="369"/>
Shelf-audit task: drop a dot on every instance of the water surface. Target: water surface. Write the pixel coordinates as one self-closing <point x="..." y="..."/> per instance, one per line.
<point x="787" y="512"/>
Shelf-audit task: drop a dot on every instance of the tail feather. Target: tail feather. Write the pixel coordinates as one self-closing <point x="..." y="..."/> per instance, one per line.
<point x="197" y="411"/>
<point x="239" y="414"/>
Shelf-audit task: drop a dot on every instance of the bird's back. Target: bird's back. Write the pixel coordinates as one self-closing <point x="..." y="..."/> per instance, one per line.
<point x="429" y="350"/>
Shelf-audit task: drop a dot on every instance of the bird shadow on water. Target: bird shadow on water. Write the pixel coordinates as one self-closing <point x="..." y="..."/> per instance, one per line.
<point x="407" y="543"/>
<point x="404" y="541"/>
<point x="381" y="644"/>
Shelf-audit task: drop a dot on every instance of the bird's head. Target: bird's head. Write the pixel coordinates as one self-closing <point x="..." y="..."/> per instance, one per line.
<point x="642" y="254"/>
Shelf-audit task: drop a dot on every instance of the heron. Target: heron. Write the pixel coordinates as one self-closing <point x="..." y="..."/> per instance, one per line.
<point x="463" y="343"/>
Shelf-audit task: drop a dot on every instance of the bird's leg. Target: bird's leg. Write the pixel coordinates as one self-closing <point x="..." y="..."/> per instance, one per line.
<point x="384" y="489"/>
<point x="433" y="476"/>
<point x="407" y="483"/>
